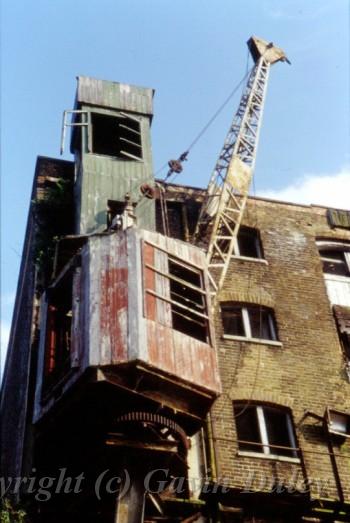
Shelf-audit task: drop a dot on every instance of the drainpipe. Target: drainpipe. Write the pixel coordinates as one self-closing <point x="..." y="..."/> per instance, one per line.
<point x="333" y="462"/>
<point x="330" y="451"/>
<point x="212" y="449"/>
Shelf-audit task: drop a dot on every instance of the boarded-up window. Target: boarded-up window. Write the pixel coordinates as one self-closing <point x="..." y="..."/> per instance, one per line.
<point x="175" y="294"/>
<point x="116" y="136"/>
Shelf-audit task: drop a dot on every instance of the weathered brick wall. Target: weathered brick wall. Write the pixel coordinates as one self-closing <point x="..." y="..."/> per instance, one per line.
<point x="307" y="372"/>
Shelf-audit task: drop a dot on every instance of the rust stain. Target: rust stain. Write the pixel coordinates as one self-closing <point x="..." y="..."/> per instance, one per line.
<point x="114" y="303"/>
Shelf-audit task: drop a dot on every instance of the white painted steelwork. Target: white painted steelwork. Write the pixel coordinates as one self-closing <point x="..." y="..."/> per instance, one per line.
<point x="224" y="205"/>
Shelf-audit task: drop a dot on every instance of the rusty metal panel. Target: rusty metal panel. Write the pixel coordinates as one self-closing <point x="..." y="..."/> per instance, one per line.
<point x="108" y="292"/>
<point x="115" y="95"/>
<point x="114" y="298"/>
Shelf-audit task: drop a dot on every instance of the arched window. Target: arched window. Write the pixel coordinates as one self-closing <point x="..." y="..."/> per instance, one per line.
<point x="265" y="430"/>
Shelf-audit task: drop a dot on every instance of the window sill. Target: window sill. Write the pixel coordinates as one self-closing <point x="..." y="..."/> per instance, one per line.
<point x="336" y="277"/>
<point x="273" y="343"/>
<point x="117" y="158"/>
<point x="247" y="258"/>
<point x="274" y="457"/>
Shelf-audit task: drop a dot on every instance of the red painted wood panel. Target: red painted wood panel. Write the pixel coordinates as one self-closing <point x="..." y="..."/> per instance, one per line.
<point x="114" y="301"/>
<point x="149" y="281"/>
<point x="182" y="356"/>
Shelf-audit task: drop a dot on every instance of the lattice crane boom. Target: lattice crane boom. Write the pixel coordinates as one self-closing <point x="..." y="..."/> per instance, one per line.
<point x="222" y="210"/>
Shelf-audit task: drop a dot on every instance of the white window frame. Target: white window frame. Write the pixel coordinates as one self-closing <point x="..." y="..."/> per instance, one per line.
<point x="248" y="331"/>
<point x="267" y="451"/>
<point x="338" y="286"/>
<point x="335" y="246"/>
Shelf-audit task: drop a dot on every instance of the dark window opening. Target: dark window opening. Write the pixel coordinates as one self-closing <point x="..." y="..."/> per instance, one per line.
<point x="249" y="243"/>
<point x="188" y="303"/>
<point x="264" y="430"/>
<point x="249" y="321"/>
<point x="116" y="136"/>
<point x="58" y="331"/>
<point x="233" y="320"/>
<point x="261" y="323"/>
<point x="345" y="340"/>
<point x="334" y="262"/>
<point x="182" y="218"/>
<point x="176" y="219"/>
<point x="115" y="208"/>
<point x="247" y="427"/>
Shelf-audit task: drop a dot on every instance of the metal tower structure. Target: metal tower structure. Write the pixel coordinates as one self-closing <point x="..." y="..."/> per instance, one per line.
<point x="222" y="210"/>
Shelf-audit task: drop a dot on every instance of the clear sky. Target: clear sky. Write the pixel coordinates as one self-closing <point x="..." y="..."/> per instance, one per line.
<point x="193" y="53"/>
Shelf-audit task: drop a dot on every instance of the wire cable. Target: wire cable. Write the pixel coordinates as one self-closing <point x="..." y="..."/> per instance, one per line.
<point x="207" y="125"/>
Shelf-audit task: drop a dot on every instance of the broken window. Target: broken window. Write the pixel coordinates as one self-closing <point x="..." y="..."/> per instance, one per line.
<point x="248" y="321"/>
<point x="118" y="136"/>
<point x="175" y="293"/>
<point x="335" y="262"/>
<point x="263" y="429"/>
<point x="188" y="301"/>
<point x="249" y="243"/>
<point x="58" y="330"/>
<point x="342" y="318"/>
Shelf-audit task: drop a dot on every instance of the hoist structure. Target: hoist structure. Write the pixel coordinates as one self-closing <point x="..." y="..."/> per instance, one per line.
<point x="223" y="207"/>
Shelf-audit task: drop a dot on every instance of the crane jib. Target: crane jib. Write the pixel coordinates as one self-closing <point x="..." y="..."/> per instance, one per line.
<point x="223" y="207"/>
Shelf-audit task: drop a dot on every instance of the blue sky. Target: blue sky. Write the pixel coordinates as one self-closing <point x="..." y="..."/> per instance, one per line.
<point x="193" y="53"/>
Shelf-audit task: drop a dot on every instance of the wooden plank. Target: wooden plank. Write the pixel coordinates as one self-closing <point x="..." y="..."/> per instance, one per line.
<point x="149" y="281"/>
<point x="162" y="287"/>
<point x="152" y="343"/>
<point x="183" y="363"/>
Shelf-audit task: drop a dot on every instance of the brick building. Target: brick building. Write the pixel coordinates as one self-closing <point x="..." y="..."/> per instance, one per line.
<point x="118" y="362"/>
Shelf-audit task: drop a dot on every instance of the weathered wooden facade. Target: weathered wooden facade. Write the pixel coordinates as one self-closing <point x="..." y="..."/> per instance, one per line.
<point x="119" y="362"/>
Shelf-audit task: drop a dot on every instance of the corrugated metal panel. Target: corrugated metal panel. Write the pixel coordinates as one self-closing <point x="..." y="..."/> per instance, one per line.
<point x="114" y="94"/>
<point x="105" y="180"/>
